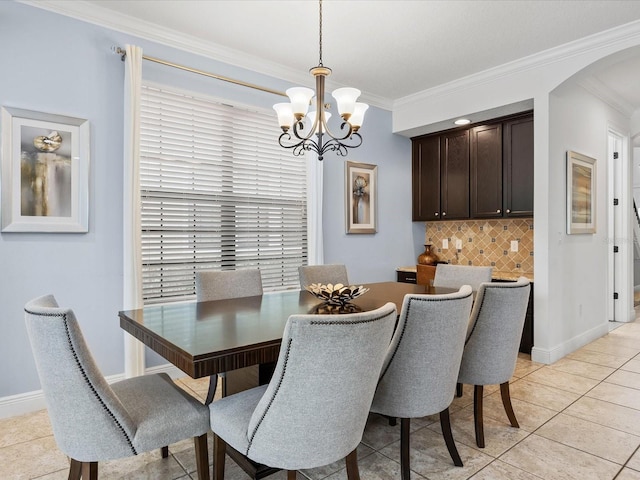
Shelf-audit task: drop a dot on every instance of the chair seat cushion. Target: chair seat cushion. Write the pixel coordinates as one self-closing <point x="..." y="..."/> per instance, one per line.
<point x="163" y="412"/>
<point x="230" y="416"/>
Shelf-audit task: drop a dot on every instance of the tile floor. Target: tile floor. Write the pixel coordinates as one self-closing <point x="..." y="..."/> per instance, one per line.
<point x="579" y="419"/>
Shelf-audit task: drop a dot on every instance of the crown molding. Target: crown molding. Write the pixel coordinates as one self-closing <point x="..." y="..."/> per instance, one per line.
<point x="81" y="10"/>
<point x="604" y="93"/>
<point x="575" y="48"/>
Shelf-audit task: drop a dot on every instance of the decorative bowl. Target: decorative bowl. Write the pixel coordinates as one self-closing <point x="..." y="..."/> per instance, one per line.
<point x="337" y="294"/>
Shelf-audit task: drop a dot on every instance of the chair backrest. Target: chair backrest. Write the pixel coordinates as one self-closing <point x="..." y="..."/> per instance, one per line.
<point x="223" y="284"/>
<point x="494" y="333"/>
<point x="323" y="274"/>
<point x="88" y="420"/>
<point x="454" y="276"/>
<point x="316" y="406"/>
<point x="421" y="366"/>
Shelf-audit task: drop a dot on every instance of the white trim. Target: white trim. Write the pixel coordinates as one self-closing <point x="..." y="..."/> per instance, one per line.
<point x="532" y="62"/>
<point x="103" y="17"/>
<point x="30" y="402"/>
<point x="549" y="356"/>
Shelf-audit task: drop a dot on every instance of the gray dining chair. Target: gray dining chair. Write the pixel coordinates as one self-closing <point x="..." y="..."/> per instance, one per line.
<point x="226" y="284"/>
<point x="323" y="274"/>
<point x="454" y="276"/>
<point x="314" y="409"/>
<point x="421" y="366"/>
<point x="223" y="284"/>
<point x="93" y="421"/>
<point x="493" y="340"/>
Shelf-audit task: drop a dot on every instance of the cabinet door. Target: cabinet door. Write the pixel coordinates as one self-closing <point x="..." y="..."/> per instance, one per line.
<point x="486" y="171"/>
<point x="518" y="167"/>
<point x="454" y="180"/>
<point x="426" y="178"/>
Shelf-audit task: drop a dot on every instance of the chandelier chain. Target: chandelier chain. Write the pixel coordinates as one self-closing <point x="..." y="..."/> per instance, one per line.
<point x="320" y="34"/>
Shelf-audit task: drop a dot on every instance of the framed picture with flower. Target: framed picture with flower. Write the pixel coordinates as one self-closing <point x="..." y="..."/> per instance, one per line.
<point x="361" y="202"/>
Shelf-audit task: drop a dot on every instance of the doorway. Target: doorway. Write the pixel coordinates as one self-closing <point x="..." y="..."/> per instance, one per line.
<point x="620" y="233"/>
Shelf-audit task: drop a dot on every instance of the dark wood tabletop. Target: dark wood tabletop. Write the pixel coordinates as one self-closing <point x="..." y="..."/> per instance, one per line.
<point x="207" y="338"/>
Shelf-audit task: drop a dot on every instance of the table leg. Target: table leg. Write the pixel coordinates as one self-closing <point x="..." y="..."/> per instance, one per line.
<point x="213" y="384"/>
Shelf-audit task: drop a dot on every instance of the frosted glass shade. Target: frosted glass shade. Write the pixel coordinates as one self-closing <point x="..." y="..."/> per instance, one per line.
<point x="300" y="98"/>
<point x="346" y="98"/>
<point x="285" y="115"/>
<point x="311" y="117"/>
<point x="357" y="117"/>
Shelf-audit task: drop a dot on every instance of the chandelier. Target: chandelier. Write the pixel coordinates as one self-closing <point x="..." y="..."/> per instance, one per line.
<point x="307" y="124"/>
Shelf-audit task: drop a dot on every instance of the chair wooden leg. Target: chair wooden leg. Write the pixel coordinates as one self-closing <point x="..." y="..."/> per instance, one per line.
<point x="405" y="460"/>
<point x="353" y="473"/>
<point x="291" y="474"/>
<point x="164" y="451"/>
<point x="477" y="415"/>
<point x="458" y="390"/>
<point x="75" y="470"/>
<point x="89" y="470"/>
<point x="506" y="401"/>
<point x="219" y="452"/>
<point x="202" y="457"/>
<point x="213" y="384"/>
<point x="445" y="423"/>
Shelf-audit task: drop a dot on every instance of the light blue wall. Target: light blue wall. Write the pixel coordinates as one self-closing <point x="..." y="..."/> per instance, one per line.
<point x="54" y="64"/>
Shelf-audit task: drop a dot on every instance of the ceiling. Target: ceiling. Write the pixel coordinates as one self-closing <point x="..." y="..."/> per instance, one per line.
<point x="387" y="48"/>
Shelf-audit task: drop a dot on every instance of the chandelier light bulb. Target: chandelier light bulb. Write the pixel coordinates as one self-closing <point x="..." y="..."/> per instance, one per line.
<point x="357" y="117"/>
<point x="285" y="115"/>
<point x="346" y="98"/>
<point x="300" y="98"/>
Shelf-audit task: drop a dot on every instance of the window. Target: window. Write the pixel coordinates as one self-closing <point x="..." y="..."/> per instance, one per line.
<point x="218" y="192"/>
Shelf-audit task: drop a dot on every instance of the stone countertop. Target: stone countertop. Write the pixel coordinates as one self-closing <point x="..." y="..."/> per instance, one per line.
<point x="496" y="275"/>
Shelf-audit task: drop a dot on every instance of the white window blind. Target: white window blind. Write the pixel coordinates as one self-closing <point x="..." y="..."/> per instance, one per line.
<point x="218" y="192"/>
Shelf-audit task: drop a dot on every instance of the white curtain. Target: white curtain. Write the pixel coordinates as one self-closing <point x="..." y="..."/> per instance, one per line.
<point x="315" y="246"/>
<point x="132" y="281"/>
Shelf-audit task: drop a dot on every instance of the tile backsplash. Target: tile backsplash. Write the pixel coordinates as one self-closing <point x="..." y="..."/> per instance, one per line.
<point x="485" y="242"/>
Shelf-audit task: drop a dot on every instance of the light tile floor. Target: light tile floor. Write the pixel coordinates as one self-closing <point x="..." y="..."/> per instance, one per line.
<point x="579" y="419"/>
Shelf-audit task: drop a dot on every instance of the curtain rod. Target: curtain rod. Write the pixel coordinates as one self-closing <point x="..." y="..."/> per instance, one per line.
<point x="123" y="53"/>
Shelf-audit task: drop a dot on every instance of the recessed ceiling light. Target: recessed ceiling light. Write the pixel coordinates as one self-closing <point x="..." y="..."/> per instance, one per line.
<point x="462" y="121"/>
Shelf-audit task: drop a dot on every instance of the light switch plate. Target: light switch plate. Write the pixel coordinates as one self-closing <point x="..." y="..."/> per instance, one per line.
<point x="445" y="243"/>
<point x="459" y="244"/>
<point x="514" y="245"/>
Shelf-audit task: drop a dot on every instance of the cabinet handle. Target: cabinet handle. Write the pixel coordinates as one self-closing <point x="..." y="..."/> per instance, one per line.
<point x="508" y="211"/>
<point x="498" y="211"/>
<point x="444" y="214"/>
<point x="437" y="214"/>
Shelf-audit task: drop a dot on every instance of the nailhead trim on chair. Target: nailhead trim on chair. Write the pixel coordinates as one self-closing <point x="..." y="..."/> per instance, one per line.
<point x="85" y="376"/>
<point x="273" y="397"/>
<point x="404" y="327"/>
<point x="481" y="305"/>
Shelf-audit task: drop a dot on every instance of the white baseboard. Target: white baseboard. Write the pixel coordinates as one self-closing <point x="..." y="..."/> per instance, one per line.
<point x="549" y="356"/>
<point x="29" y="402"/>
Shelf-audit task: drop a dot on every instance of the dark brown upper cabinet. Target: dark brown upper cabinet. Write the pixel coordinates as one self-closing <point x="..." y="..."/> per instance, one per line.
<point x="486" y="171"/>
<point x="440" y="180"/>
<point x="483" y="171"/>
<point x="518" y="167"/>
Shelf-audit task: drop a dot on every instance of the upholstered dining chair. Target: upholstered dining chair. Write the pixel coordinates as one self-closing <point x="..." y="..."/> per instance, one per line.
<point x="93" y="421"/>
<point x="491" y="347"/>
<point x="454" y="276"/>
<point x="421" y="366"/>
<point x="314" y="409"/>
<point x="222" y="284"/>
<point x="323" y="274"/>
<point x="226" y="284"/>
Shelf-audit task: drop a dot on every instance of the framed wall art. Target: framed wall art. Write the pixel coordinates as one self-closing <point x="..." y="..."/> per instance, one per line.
<point x="581" y="193"/>
<point x="45" y="172"/>
<point x="361" y="197"/>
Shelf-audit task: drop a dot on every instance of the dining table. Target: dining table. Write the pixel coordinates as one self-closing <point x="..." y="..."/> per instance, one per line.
<point x="206" y="339"/>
